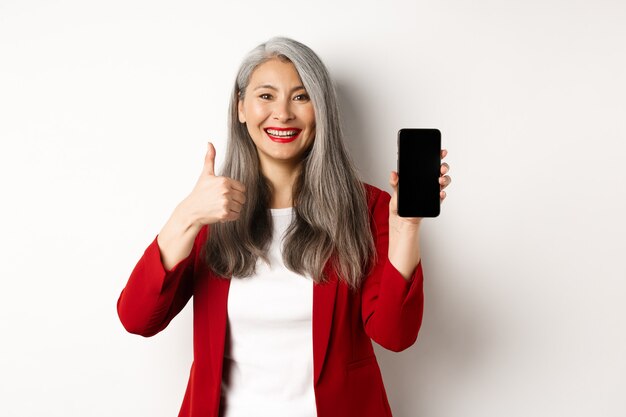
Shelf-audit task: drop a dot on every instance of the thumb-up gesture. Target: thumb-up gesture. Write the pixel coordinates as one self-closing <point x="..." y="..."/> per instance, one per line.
<point x="214" y="198"/>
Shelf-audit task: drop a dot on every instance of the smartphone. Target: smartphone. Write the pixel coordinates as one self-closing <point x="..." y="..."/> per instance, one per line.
<point x="419" y="165"/>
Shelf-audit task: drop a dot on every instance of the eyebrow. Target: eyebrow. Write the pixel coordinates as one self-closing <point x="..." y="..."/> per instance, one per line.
<point x="271" y="87"/>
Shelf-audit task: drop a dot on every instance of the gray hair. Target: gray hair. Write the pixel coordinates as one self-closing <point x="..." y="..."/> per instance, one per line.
<point x="331" y="215"/>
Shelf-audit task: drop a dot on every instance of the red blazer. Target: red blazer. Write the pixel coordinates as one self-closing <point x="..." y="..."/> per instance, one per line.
<point x="347" y="380"/>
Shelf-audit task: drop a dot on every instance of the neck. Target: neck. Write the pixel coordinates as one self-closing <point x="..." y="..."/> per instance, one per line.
<point x="281" y="177"/>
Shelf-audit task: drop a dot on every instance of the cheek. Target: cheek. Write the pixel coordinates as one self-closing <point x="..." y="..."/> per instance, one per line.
<point x="257" y="112"/>
<point x="253" y="113"/>
<point x="309" y="116"/>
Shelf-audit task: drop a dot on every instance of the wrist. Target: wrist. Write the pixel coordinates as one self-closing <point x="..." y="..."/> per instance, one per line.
<point x="404" y="249"/>
<point x="407" y="234"/>
<point x="185" y="217"/>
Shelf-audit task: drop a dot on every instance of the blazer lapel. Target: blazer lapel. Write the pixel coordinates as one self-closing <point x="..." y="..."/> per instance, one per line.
<point x="323" y="307"/>
<point x="216" y="322"/>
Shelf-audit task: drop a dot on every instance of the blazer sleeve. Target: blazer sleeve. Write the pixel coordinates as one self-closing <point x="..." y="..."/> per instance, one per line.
<point x="153" y="296"/>
<point x="391" y="306"/>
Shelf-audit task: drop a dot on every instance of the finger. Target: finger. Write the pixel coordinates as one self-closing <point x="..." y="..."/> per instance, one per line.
<point x="445" y="168"/>
<point x="445" y="181"/>
<point x="444" y="152"/>
<point x="209" y="160"/>
<point x="238" y="196"/>
<point x="234" y="207"/>
<point x="236" y="185"/>
<point x="442" y="195"/>
<point x="233" y="211"/>
<point x="393" y="180"/>
<point x="232" y="215"/>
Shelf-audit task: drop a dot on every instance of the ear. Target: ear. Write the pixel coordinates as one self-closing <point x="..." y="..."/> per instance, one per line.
<point x="242" y="115"/>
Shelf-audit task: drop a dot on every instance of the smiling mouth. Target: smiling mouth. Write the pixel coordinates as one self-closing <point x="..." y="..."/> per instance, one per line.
<point x="282" y="135"/>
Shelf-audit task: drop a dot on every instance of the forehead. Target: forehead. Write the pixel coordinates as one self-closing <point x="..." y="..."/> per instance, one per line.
<point x="275" y="72"/>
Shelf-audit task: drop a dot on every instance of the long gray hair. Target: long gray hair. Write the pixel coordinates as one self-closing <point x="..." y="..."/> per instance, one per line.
<point x="331" y="222"/>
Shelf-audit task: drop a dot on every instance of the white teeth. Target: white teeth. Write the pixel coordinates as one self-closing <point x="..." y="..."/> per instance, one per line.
<point x="284" y="133"/>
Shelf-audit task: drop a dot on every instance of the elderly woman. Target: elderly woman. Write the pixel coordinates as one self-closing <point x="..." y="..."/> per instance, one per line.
<point x="294" y="264"/>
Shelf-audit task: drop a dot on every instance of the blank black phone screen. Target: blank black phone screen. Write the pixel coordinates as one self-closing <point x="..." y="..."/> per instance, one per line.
<point x="419" y="164"/>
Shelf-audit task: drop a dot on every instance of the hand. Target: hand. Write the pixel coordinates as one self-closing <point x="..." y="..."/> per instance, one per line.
<point x="444" y="181"/>
<point x="214" y="198"/>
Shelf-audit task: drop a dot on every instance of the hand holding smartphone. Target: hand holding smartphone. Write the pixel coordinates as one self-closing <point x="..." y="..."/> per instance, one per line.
<point x="419" y="165"/>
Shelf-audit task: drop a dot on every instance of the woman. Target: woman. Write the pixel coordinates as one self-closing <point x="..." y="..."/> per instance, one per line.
<point x="294" y="264"/>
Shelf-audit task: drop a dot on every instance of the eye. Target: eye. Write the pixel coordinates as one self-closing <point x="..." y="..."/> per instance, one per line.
<point x="302" y="97"/>
<point x="265" y="96"/>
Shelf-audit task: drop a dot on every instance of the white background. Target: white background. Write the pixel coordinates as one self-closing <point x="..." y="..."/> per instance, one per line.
<point x="105" y="111"/>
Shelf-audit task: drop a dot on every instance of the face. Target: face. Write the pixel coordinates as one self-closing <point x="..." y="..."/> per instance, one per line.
<point x="278" y="113"/>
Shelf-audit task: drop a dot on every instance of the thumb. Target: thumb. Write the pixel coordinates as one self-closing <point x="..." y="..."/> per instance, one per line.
<point x="393" y="181"/>
<point x="209" y="160"/>
<point x="393" y="203"/>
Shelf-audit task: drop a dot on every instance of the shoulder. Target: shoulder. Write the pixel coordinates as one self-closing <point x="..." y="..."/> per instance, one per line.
<point x="375" y="196"/>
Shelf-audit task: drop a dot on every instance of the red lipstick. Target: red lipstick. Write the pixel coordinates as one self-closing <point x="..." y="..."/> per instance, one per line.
<point x="282" y="134"/>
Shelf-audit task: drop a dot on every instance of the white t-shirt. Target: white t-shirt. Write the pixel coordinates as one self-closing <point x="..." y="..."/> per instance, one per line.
<point x="268" y="356"/>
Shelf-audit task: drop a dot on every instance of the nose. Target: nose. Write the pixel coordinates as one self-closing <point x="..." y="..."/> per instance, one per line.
<point x="282" y="111"/>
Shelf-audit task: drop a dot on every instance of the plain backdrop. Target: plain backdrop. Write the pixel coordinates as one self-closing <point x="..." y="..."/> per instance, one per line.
<point x="105" y="112"/>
